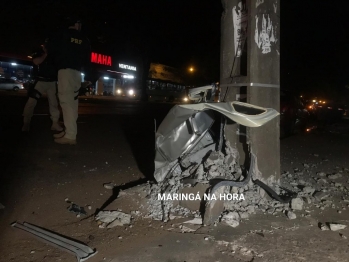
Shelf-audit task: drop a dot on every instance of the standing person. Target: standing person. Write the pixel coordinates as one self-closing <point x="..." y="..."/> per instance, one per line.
<point x="45" y="82"/>
<point x="72" y="53"/>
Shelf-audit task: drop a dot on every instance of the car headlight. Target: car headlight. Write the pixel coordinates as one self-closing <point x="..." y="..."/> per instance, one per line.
<point x="131" y="92"/>
<point x="185" y="99"/>
<point x="118" y="91"/>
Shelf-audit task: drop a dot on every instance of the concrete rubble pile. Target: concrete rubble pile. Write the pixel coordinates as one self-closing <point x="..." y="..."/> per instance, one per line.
<point x="213" y="165"/>
<point x="188" y="159"/>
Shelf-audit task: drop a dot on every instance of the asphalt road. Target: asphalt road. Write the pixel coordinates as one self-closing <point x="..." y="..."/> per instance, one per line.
<point x="12" y="103"/>
<point x="102" y="121"/>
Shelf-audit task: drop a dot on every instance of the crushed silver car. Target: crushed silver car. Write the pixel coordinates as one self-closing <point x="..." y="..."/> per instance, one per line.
<point x="186" y="131"/>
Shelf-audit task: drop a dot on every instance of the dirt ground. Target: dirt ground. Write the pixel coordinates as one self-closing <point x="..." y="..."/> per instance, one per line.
<point x="41" y="176"/>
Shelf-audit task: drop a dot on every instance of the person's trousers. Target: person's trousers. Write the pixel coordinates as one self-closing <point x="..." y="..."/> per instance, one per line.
<point x="69" y="83"/>
<point x="50" y="88"/>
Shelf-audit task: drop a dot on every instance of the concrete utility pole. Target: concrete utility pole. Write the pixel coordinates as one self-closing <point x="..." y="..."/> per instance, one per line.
<point x="250" y="72"/>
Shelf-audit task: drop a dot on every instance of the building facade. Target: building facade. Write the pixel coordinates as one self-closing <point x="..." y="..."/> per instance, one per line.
<point x="117" y="76"/>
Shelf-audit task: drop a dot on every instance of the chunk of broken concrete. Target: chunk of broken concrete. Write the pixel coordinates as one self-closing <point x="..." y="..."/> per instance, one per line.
<point x="187" y="228"/>
<point x="232" y="219"/>
<point x="291" y="215"/>
<point x="297" y="204"/>
<point x="320" y="195"/>
<point x="195" y="221"/>
<point x="336" y="227"/>
<point x="324" y="227"/>
<point x="244" y="215"/>
<point x="113" y="218"/>
<point x="308" y="190"/>
<point x="334" y="176"/>
<point x="250" y="209"/>
<point x="109" y="185"/>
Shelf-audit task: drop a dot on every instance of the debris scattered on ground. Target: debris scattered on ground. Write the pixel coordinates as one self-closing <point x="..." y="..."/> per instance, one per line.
<point x="193" y="174"/>
<point x="109" y="185"/>
<point x="77" y="209"/>
<point x="110" y="219"/>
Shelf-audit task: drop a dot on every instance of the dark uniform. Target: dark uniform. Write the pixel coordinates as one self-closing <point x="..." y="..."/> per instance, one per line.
<point x="72" y="50"/>
<point x="45" y="82"/>
<point x="72" y="53"/>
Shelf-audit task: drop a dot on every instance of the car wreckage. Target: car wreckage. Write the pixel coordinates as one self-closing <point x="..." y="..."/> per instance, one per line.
<point x="189" y="151"/>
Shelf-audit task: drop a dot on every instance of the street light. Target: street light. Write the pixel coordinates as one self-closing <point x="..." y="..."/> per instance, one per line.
<point x="191" y="69"/>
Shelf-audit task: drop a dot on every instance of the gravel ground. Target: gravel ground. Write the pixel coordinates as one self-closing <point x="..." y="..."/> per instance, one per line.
<point x="39" y="177"/>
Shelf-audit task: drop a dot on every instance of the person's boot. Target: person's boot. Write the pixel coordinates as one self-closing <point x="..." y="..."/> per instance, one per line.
<point x="56" y="127"/>
<point x="26" y="127"/>
<point x="59" y="135"/>
<point x="65" y="141"/>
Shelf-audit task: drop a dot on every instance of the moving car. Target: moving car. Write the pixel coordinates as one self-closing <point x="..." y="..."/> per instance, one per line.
<point x="128" y="92"/>
<point x="10" y="84"/>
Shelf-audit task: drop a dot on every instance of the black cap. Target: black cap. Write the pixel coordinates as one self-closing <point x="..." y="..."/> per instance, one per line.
<point x="72" y="20"/>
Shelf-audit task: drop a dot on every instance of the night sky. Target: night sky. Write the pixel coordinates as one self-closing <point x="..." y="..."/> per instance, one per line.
<point x="314" y="34"/>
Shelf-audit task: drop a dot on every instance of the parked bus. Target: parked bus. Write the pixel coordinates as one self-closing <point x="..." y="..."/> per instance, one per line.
<point x="163" y="91"/>
<point x="165" y="84"/>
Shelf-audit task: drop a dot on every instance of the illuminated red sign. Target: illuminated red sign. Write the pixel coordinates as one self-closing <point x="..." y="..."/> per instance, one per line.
<point x="101" y="59"/>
